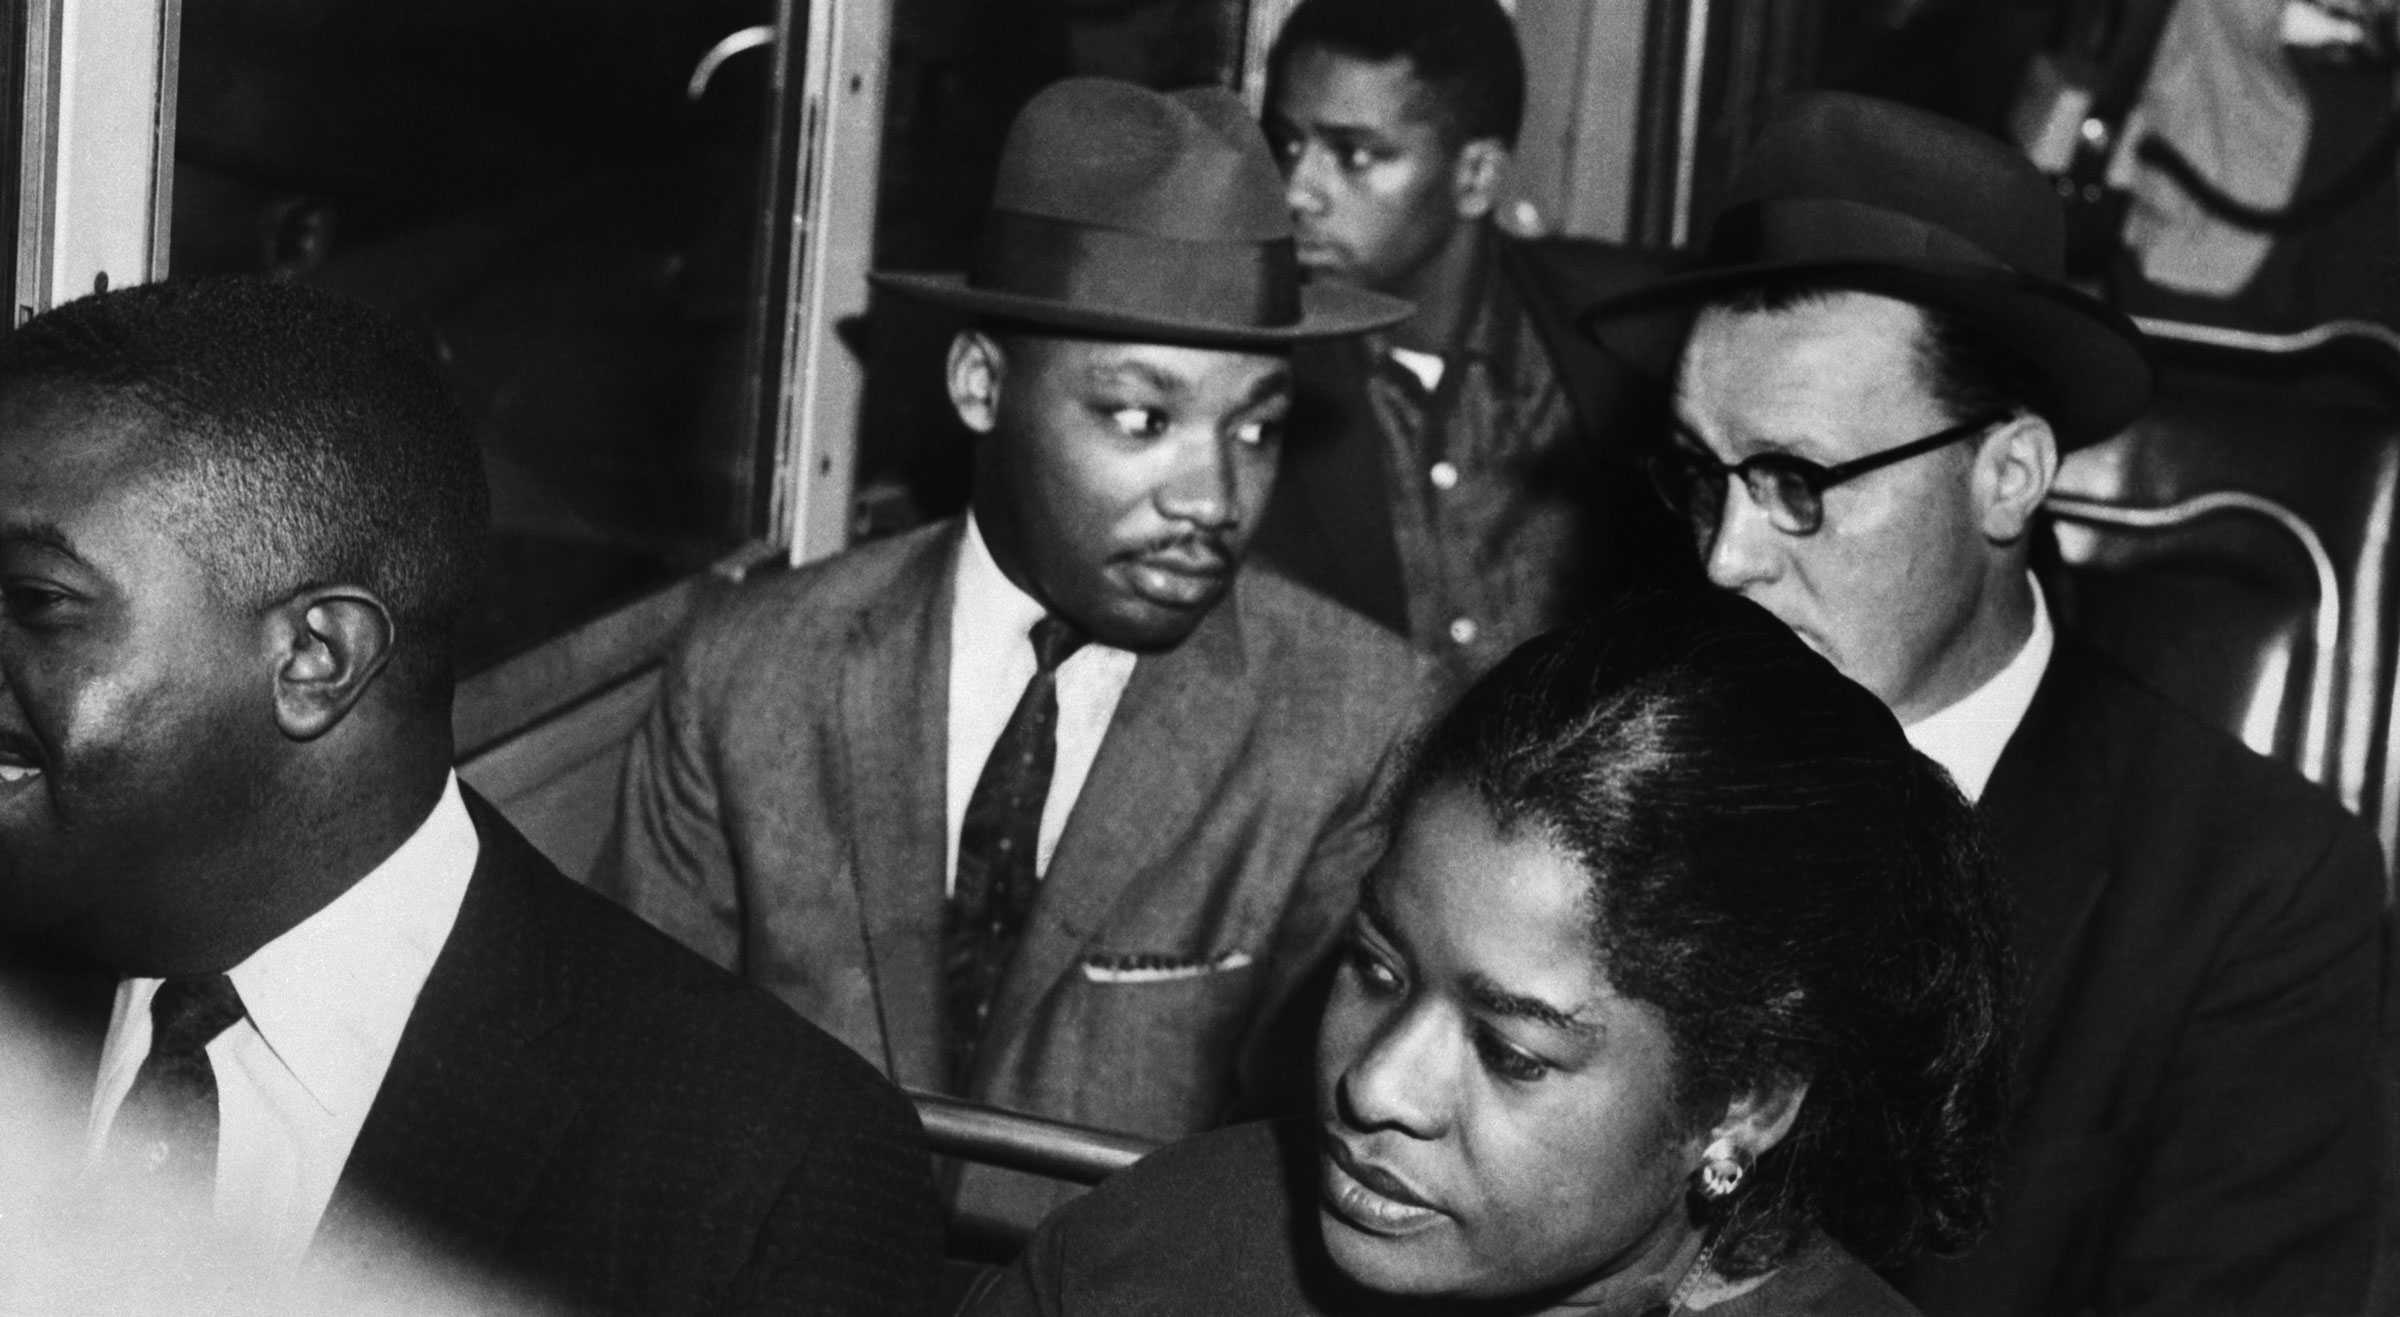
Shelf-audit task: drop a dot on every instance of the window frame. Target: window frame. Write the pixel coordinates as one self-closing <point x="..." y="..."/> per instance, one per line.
<point x="96" y="146"/>
<point x="96" y="83"/>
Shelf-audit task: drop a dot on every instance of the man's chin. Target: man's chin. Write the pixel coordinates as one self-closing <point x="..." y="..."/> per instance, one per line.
<point x="1157" y="611"/>
<point x="1152" y="631"/>
<point x="1327" y="264"/>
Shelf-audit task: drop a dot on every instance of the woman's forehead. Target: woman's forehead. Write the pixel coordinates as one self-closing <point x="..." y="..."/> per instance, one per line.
<point x="1507" y="904"/>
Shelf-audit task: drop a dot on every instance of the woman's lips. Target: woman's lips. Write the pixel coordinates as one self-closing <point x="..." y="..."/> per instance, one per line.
<point x="1373" y="1199"/>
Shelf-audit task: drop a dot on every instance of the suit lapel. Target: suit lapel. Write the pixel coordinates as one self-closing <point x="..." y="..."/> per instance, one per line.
<point x="1183" y="718"/>
<point x="895" y="700"/>
<point x="2049" y="843"/>
<point x="470" y="1108"/>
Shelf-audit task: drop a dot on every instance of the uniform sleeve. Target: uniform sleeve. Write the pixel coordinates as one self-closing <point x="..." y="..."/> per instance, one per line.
<point x="667" y="858"/>
<point x="2259" y="1194"/>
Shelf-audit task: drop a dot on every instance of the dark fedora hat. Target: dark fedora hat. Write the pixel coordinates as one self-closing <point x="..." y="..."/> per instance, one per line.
<point x="1125" y="212"/>
<point x="1854" y="192"/>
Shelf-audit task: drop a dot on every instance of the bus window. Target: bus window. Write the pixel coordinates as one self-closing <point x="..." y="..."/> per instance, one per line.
<point x="531" y="183"/>
<point x="2229" y="161"/>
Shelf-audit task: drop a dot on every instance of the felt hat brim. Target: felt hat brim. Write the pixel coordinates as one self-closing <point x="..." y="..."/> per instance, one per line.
<point x="2090" y="360"/>
<point x="1327" y="310"/>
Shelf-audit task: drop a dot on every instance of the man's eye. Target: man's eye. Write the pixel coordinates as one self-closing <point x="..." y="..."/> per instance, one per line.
<point x="1507" y="1062"/>
<point x="1356" y="158"/>
<point x="1139" y="422"/>
<point x="28" y="600"/>
<point x="1259" y="434"/>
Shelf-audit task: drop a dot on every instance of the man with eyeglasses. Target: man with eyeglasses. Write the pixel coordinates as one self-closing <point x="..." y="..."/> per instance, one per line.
<point x="1869" y="409"/>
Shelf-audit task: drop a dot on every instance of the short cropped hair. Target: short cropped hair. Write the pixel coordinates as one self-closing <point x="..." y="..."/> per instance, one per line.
<point x="1464" y="51"/>
<point x="1800" y="894"/>
<point x="302" y="439"/>
<point x="1968" y="371"/>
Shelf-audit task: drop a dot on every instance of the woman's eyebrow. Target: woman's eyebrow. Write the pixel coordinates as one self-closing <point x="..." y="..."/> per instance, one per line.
<point x="1371" y="913"/>
<point x="1493" y="999"/>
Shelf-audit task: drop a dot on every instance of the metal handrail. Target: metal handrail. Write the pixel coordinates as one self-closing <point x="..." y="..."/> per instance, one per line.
<point x="2316" y="733"/>
<point x="734" y="43"/>
<point x="991" y="1136"/>
<point x="2280" y="345"/>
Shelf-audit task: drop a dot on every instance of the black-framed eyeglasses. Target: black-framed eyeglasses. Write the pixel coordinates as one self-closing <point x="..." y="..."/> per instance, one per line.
<point x="1791" y="489"/>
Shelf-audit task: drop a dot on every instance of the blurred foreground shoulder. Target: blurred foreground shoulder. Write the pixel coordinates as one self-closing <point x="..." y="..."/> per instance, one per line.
<point x="1205" y="1225"/>
<point x="714" y="1106"/>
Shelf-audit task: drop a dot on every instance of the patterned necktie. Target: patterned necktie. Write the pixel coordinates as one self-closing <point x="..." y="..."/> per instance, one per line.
<point x="168" y="1123"/>
<point x="997" y="845"/>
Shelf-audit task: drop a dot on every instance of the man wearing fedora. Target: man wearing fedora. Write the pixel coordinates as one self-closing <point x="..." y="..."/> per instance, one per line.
<point x="1463" y="478"/>
<point x="1052" y="805"/>
<point x="1869" y="410"/>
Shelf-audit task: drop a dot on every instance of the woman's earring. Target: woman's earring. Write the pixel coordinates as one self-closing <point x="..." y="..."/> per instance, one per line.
<point x="1721" y="1171"/>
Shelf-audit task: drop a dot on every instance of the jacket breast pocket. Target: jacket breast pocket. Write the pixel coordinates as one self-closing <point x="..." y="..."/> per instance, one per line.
<point x="1142" y="967"/>
<point x="1167" y="1031"/>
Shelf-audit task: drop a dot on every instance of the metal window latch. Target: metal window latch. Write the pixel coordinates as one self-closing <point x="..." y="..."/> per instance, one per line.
<point x="705" y="72"/>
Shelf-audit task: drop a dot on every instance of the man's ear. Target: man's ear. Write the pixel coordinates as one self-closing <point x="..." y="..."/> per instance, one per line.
<point x="977" y="369"/>
<point x="329" y="643"/>
<point x="1476" y="176"/>
<point x="2013" y="469"/>
<point x="1755" y="1122"/>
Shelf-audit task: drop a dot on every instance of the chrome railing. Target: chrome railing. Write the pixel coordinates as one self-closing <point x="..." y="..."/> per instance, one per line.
<point x="2316" y="730"/>
<point x="990" y="1136"/>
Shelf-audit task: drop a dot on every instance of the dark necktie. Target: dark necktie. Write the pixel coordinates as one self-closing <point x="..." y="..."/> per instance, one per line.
<point x="168" y="1123"/>
<point x="997" y="843"/>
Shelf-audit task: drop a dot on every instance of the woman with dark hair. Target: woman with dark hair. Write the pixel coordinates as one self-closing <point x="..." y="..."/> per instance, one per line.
<point x="1683" y="988"/>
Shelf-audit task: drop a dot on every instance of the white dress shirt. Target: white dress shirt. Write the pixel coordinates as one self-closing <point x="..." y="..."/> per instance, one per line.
<point x="1428" y="367"/>
<point x="991" y="661"/>
<point x="325" y="1003"/>
<point x="1968" y="736"/>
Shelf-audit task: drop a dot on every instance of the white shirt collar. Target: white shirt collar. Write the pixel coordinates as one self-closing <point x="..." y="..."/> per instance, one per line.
<point x="990" y="663"/>
<point x="988" y="604"/>
<point x="325" y="1005"/>
<point x="1426" y="366"/>
<point x="1967" y="737"/>
<point x="332" y="994"/>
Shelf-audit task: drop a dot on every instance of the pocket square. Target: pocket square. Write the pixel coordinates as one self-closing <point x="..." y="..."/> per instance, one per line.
<point x="1141" y="967"/>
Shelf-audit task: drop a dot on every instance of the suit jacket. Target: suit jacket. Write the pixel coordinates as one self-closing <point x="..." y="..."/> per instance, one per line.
<point x="783" y="814"/>
<point x="1587" y="512"/>
<point x="582" y="1115"/>
<point x="582" y="1107"/>
<point x="2196" y="1126"/>
<point x="1240" y="1207"/>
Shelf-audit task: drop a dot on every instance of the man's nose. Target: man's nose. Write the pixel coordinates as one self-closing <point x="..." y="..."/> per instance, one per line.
<point x="1745" y="547"/>
<point x="1303" y="182"/>
<point x="1207" y="488"/>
